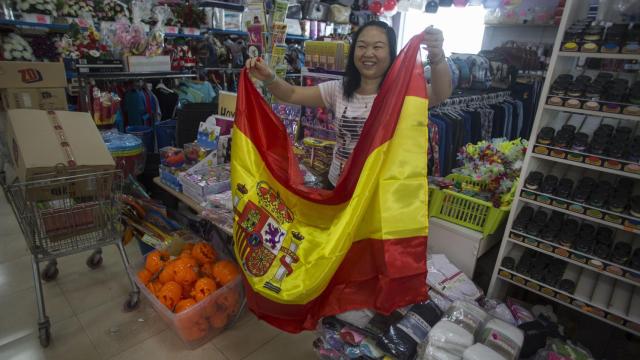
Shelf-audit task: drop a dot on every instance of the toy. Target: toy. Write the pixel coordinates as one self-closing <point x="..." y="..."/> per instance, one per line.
<point x="172" y="157"/>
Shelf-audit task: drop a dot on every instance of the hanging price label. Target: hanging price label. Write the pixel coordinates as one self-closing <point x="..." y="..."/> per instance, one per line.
<point x="82" y="22"/>
<point x="37" y="18"/>
<point x="190" y="31"/>
<point x="171" y="29"/>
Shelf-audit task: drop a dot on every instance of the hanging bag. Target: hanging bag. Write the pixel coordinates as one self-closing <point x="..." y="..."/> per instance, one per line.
<point x="339" y="14"/>
<point x="315" y="10"/>
<point x="309" y="253"/>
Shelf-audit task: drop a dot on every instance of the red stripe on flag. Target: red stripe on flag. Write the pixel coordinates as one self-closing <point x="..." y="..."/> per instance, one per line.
<point x="256" y="120"/>
<point x="381" y="275"/>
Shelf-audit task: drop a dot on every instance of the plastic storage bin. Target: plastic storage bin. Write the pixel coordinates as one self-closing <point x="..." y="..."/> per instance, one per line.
<point x="205" y="320"/>
<point x="127" y="151"/>
<point x="145" y="133"/>
<point x="465" y="210"/>
<point x="166" y="133"/>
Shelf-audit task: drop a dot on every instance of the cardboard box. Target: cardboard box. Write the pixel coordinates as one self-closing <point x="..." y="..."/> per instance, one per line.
<point x="34" y="98"/>
<point x="36" y="151"/>
<point x="25" y="74"/>
<point x="148" y="63"/>
<point x="227" y="104"/>
<point x="33" y="85"/>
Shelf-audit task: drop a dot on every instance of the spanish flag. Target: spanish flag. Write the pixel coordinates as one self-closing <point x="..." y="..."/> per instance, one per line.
<point x="309" y="253"/>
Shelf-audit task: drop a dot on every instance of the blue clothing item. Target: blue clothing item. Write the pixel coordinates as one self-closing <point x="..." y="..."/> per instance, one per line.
<point x="444" y="131"/>
<point x="508" y="120"/>
<point x="196" y="92"/>
<point x="476" y="127"/>
<point x="519" y="108"/>
<point x="466" y="118"/>
<point x="134" y="107"/>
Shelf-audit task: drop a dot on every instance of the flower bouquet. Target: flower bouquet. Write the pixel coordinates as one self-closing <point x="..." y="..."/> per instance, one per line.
<point x="44" y="48"/>
<point x="82" y="45"/>
<point x="46" y="7"/>
<point x="110" y="10"/>
<point x="189" y="15"/>
<point x="496" y="164"/>
<point x="75" y="8"/>
<point x="15" y="48"/>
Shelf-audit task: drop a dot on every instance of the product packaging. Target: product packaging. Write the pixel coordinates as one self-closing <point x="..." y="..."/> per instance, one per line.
<point x="467" y="315"/>
<point x="401" y="340"/>
<point x="448" y="280"/>
<point x="503" y="338"/>
<point x="447" y="340"/>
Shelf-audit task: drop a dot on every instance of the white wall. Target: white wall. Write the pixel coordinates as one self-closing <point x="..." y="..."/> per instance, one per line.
<point x="463" y="28"/>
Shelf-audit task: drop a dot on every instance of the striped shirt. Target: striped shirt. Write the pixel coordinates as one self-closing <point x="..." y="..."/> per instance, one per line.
<point x="350" y="116"/>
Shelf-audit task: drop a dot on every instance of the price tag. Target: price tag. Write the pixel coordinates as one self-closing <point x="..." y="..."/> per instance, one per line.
<point x="171" y="29"/>
<point x="37" y="18"/>
<point x="191" y="31"/>
<point x="82" y="22"/>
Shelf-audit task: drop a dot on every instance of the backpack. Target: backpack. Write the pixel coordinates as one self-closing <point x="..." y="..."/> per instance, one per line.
<point x="479" y="69"/>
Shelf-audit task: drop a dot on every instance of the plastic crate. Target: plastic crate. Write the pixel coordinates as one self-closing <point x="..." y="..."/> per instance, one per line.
<point x="465" y="210"/>
<point x="195" y="326"/>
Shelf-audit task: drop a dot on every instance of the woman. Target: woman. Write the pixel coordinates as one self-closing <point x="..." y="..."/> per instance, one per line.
<point x="370" y="56"/>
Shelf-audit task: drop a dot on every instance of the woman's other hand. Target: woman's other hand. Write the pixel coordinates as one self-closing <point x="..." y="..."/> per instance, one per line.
<point x="433" y="39"/>
<point x="258" y="69"/>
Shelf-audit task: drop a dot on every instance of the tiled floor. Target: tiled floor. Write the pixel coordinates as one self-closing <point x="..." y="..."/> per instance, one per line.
<point x="85" y="308"/>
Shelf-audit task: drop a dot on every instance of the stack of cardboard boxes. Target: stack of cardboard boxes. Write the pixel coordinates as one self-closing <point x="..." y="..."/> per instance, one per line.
<point x="33" y="85"/>
<point x="38" y="135"/>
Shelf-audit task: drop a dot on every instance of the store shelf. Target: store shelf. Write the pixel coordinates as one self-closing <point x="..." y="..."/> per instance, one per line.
<point x="184" y="36"/>
<point x="520" y="25"/>
<point x="297" y="37"/>
<point x="606" y="263"/>
<point x="513" y="273"/>
<point x="587" y="207"/>
<point x="228" y="32"/>
<point x="235" y="70"/>
<point x="19" y="23"/>
<point x="599" y="55"/>
<point x="137" y="75"/>
<point x="317" y="128"/>
<point x="221" y="5"/>
<point x="585" y="165"/>
<point x="592" y="113"/>
<point x="581" y="216"/>
<point x="180" y="196"/>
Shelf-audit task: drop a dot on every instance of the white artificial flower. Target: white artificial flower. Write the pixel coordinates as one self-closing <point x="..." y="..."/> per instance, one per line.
<point x="7" y="55"/>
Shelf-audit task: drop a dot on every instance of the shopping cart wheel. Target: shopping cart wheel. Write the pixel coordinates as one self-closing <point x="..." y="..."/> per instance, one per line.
<point x="133" y="302"/>
<point x="50" y="272"/>
<point x="44" y="334"/>
<point x="95" y="260"/>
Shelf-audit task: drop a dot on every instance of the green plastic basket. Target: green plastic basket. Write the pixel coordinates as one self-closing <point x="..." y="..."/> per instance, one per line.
<point x="465" y="210"/>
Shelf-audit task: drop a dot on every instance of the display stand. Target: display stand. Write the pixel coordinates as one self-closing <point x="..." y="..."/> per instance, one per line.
<point x="537" y="159"/>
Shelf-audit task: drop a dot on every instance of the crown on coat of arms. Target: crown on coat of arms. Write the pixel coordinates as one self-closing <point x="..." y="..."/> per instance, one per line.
<point x="271" y="201"/>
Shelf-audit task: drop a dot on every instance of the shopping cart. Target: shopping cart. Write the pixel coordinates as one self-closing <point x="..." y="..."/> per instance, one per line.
<point x="64" y="215"/>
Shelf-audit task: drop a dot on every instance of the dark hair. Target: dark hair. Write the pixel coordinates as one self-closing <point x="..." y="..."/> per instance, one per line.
<point x="351" y="81"/>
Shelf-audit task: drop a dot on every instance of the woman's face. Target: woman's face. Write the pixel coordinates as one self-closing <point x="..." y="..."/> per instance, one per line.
<point x="371" y="55"/>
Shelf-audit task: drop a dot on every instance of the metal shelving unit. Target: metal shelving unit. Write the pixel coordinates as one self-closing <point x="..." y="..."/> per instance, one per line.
<point x="566" y="62"/>
<point x="28" y="24"/>
<point x="616" y="56"/>
<point x="606" y="264"/>
<point x="585" y="165"/>
<point x="124" y="75"/>
<point x="627" y="324"/>
<point x="591" y="112"/>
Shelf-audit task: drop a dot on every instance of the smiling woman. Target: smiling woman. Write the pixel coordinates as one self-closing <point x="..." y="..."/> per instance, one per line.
<point x="372" y="52"/>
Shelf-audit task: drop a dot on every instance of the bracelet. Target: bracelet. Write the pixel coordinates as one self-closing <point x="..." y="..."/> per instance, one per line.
<point x="270" y="81"/>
